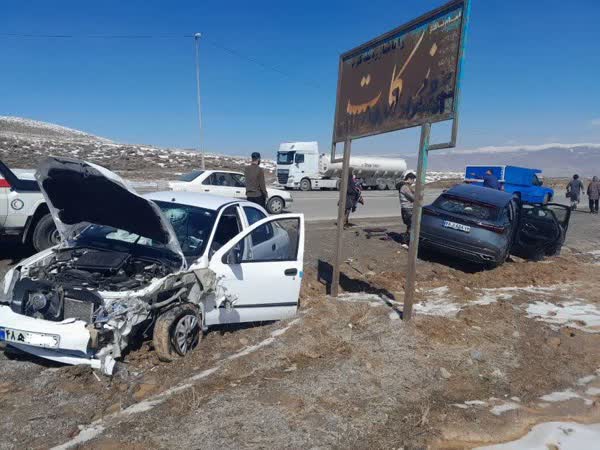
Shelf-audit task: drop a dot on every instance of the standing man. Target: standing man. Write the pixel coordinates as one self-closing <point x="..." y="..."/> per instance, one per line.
<point x="593" y="192"/>
<point x="574" y="190"/>
<point x="490" y="180"/>
<point x="407" y="200"/>
<point x="256" y="191"/>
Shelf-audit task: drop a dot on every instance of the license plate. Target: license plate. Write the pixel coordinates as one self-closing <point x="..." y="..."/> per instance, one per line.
<point x="457" y="226"/>
<point x="29" y="338"/>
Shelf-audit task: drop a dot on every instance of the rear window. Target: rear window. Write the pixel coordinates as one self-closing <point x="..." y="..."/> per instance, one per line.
<point x="466" y="208"/>
<point x="191" y="176"/>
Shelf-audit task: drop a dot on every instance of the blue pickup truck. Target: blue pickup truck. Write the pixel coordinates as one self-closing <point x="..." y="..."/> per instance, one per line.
<point x="520" y="181"/>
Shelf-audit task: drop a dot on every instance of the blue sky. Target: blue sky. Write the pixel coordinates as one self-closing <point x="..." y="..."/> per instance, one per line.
<point x="531" y="76"/>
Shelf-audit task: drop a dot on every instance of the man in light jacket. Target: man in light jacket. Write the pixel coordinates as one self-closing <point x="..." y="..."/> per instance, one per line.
<point x="407" y="200"/>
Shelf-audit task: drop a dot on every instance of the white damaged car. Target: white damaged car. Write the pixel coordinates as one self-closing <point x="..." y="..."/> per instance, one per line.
<point x="167" y="265"/>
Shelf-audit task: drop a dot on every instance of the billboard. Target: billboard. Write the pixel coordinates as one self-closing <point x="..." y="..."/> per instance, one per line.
<point x="403" y="78"/>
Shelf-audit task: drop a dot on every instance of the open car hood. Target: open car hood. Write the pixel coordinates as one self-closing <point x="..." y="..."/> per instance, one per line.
<point x="79" y="193"/>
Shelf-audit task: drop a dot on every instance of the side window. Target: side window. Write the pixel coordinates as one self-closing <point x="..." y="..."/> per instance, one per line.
<point x="229" y="226"/>
<point x="274" y="241"/>
<point x="299" y="158"/>
<point x="222" y="179"/>
<point x="253" y="215"/>
<point x="210" y="180"/>
<point x="262" y="234"/>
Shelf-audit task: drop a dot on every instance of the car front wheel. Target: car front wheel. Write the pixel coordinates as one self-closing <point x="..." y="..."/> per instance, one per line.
<point x="275" y="205"/>
<point x="177" y="332"/>
<point x="45" y="234"/>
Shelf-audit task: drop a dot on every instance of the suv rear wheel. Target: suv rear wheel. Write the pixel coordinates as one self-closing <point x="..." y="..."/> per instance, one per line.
<point x="45" y="234"/>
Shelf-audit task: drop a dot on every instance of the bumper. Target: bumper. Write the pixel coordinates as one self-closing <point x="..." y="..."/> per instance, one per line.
<point x="478" y="255"/>
<point x="11" y="231"/>
<point x="65" y="342"/>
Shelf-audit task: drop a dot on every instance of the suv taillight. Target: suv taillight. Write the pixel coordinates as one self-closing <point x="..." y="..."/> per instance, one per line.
<point x="4" y="183"/>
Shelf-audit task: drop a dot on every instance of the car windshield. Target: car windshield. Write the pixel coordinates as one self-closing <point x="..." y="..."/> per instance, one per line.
<point x="191" y="176"/>
<point x="466" y="208"/>
<point x="192" y="226"/>
<point x="285" y="157"/>
<point x="110" y="238"/>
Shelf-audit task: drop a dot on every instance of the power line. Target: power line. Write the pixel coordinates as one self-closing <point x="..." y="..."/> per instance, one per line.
<point x="213" y="43"/>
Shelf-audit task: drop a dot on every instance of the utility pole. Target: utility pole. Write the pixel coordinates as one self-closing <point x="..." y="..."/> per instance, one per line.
<point x="197" y="46"/>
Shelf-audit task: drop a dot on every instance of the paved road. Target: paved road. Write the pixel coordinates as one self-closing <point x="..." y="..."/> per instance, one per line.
<point x="323" y="205"/>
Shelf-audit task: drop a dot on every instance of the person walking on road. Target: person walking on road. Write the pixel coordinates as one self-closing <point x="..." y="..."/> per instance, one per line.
<point x="490" y="180"/>
<point x="407" y="200"/>
<point x="256" y="190"/>
<point x="353" y="194"/>
<point x="574" y="190"/>
<point x="593" y="192"/>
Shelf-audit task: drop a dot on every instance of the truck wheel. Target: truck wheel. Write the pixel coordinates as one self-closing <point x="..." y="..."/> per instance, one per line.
<point x="176" y="333"/>
<point x="305" y="185"/>
<point x="275" y="205"/>
<point x="45" y="234"/>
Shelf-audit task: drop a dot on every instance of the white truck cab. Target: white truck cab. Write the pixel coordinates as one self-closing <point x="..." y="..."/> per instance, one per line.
<point x="300" y="166"/>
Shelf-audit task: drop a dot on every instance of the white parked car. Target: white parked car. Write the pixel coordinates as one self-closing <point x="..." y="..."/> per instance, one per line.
<point x="23" y="211"/>
<point x="229" y="184"/>
<point x="172" y="262"/>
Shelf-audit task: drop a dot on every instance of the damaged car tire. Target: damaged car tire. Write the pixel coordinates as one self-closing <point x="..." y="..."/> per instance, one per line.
<point x="177" y="332"/>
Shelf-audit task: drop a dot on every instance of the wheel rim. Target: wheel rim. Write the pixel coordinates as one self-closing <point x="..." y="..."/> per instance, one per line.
<point x="186" y="334"/>
<point x="305" y="185"/>
<point x="54" y="237"/>
<point x="275" y="205"/>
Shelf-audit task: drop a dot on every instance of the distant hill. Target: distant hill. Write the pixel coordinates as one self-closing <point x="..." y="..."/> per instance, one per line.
<point x="24" y="143"/>
<point x="17" y="126"/>
<point x="556" y="160"/>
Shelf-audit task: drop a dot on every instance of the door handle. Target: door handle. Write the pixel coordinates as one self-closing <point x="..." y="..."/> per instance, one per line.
<point x="290" y="272"/>
<point x="273" y="247"/>
<point x="206" y="190"/>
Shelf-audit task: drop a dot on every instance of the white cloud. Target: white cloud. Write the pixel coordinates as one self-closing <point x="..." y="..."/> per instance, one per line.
<point x="595" y="122"/>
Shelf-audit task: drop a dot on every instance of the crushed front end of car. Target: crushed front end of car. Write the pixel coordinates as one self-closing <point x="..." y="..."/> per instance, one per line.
<point x="118" y="267"/>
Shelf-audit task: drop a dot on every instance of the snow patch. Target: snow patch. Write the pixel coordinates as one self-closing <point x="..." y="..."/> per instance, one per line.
<point x="498" y="410"/>
<point x="562" y="435"/>
<point x="560" y="396"/>
<point x="575" y="314"/>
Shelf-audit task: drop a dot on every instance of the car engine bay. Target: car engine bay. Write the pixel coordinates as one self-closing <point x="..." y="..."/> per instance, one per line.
<point x="66" y="285"/>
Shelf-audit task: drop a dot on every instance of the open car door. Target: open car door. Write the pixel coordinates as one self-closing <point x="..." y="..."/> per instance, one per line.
<point x="259" y="272"/>
<point x="541" y="231"/>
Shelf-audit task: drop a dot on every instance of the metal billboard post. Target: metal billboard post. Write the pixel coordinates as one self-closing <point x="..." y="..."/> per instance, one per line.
<point x="415" y="229"/>
<point x="335" y="279"/>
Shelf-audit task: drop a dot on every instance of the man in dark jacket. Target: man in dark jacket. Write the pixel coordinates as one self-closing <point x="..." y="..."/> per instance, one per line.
<point x="256" y="191"/>
<point x="490" y="180"/>
<point x="574" y="190"/>
<point x="593" y="192"/>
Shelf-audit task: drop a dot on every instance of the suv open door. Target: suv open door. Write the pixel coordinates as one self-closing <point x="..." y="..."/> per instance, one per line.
<point x="541" y="231"/>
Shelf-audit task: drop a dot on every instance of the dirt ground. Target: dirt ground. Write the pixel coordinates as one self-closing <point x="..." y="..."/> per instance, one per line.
<point x="488" y="355"/>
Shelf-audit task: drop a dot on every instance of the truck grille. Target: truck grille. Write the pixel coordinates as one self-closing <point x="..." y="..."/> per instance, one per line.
<point x="282" y="176"/>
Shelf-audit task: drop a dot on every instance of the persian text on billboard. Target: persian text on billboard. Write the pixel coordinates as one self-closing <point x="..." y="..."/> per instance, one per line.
<point x="403" y="79"/>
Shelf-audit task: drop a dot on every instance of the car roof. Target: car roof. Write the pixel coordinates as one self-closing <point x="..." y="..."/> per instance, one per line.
<point x="481" y="194"/>
<point x="199" y="200"/>
<point x="222" y="171"/>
